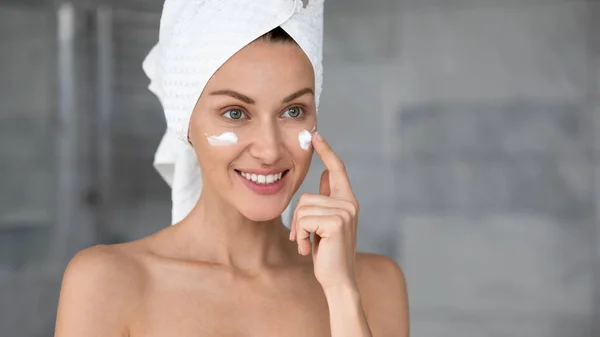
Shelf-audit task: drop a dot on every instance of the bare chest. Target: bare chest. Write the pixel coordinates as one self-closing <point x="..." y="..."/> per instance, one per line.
<point x="216" y="307"/>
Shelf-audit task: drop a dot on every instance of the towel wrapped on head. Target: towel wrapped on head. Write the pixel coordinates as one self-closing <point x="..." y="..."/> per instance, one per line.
<point x="196" y="38"/>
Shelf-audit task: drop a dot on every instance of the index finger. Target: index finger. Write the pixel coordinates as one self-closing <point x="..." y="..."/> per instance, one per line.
<point x="338" y="177"/>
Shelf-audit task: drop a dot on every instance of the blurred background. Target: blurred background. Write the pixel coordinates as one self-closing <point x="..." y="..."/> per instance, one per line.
<point x="468" y="128"/>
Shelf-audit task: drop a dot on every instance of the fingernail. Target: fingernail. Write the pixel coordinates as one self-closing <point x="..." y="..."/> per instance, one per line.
<point x="318" y="136"/>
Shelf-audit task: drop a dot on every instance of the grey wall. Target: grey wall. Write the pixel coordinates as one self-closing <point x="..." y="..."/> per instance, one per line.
<point x="28" y="286"/>
<point x="468" y="129"/>
<point x="495" y="196"/>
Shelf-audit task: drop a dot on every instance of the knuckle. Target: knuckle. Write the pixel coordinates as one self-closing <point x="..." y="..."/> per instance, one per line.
<point x="338" y="222"/>
<point x="352" y="208"/>
<point x="305" y="222"/>
<point x="347" y="217"/>
<point x="304" y="199"/>
<point x="300" y="212"/>
<point x="302" y="235"/>
<point x="300" y="227"/>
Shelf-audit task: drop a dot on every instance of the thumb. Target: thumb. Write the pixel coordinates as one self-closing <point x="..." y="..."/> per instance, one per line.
<point x="324" y="188"/>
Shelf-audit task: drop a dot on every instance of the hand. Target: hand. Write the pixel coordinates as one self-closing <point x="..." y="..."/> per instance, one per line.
<point x="332" y="215"/>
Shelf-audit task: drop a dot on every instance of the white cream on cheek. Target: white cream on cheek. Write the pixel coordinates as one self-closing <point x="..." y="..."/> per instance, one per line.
<point x="226" y="139"/>
<point x="230" y="138"/>
<point x="305" y="137"/>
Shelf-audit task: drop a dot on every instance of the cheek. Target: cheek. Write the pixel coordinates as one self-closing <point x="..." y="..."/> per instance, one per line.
<point x="216" y="152"/>
<point x="296" y="144"/>
<point x="212" y="143"/>
<point x="225" y="139"/>
<point x="299" y="135"/>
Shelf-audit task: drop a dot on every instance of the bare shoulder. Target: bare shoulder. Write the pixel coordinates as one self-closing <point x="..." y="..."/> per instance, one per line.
<point x="115" y="266"/>
<point x="380" y="277"/>
<point x="383" y="291"/>
<point x="100" y="287"/>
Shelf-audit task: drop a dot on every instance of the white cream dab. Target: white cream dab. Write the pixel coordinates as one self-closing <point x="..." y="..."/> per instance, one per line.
<point x="228" y="138"/>
<point x="305" y="137"/>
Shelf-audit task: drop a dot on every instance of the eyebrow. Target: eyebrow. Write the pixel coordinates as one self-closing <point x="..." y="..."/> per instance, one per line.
<point x="298" y="94"/>
<point x="235" y="95"/>
<point x="249" y="100"/>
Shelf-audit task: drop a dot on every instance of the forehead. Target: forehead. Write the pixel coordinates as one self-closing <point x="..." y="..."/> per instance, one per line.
<point x="264" y="67"/>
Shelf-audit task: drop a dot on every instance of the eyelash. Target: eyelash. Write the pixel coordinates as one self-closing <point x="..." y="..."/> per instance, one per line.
<point x="235" y="109"/>
<point x="301" y="110"/>
<point x="245" y="115"/>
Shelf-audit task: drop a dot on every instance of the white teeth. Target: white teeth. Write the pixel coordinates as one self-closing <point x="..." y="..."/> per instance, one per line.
<point x="262" y="179"/>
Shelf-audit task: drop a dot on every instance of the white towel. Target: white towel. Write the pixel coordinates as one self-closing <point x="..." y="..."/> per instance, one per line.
<point x="196" y="38"/>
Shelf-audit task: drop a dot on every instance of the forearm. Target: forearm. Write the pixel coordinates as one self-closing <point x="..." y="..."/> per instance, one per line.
<point x="346" y="315"/>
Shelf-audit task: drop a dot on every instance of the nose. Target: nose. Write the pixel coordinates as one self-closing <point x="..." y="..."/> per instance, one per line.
<point x="267" y="144"/>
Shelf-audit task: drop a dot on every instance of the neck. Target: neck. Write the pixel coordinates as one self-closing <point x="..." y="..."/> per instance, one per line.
<point x="217" y="233"/>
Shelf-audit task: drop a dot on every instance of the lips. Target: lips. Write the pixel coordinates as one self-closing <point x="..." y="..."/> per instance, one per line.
<point x="263" y="184"/>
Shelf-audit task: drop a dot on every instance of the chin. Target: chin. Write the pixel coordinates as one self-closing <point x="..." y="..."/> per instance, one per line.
<point x="262" y="213"/>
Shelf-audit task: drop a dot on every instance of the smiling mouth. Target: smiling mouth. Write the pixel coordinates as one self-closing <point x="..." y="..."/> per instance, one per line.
<point x="262" y="179"/>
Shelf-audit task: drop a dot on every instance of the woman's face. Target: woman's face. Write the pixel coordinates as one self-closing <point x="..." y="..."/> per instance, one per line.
<point x="264" y="97"/>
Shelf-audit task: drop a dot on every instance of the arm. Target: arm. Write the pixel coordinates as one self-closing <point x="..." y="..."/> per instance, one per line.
<point x="346" y="315"/>
<point x="95" y="297"/>
<point x="332" y="216"/>
<point x="377" y="307"/>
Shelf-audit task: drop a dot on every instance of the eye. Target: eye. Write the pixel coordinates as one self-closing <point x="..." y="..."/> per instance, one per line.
<point x="294" y="112"/>
<point x="234" y="114"/>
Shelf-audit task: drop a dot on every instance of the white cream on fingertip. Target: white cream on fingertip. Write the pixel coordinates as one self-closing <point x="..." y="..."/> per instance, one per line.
<point x="226" y="139"/>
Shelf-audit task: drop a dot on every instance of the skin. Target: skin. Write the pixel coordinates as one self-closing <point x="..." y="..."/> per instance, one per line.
<point x="231" y="268"/>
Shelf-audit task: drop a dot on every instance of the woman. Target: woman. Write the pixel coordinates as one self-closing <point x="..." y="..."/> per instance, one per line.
<point x="229" y="267"/>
